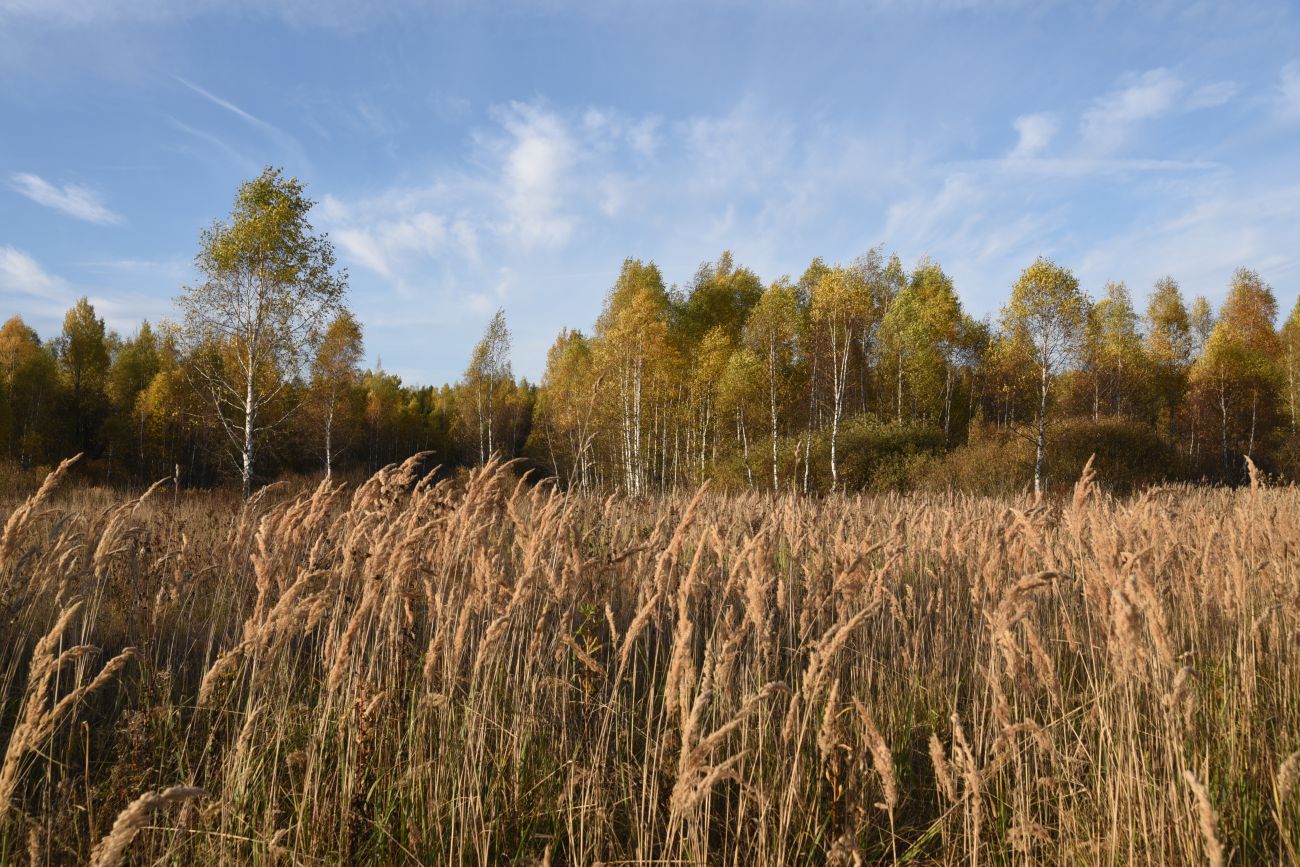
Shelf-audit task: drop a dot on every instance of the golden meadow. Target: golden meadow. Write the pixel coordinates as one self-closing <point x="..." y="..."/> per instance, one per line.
<point x="485" y="671"/>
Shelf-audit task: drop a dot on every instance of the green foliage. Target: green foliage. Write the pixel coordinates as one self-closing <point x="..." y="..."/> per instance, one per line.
<point x="720" y="296"/>
<point x="1128" y="454"/>
<point x="888" y="455"/>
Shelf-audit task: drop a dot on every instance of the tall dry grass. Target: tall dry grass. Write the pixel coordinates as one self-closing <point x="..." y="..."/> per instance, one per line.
<point x="489" y="672"/>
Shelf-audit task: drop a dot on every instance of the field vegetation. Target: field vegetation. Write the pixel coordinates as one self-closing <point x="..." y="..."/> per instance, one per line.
<point x="479" y="670"/>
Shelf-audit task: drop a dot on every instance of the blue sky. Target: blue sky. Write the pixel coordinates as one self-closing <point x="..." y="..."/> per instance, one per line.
<point x="467" y="156"/>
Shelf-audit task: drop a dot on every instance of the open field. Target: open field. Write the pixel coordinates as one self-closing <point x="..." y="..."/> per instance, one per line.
<point x="483" y="672"/>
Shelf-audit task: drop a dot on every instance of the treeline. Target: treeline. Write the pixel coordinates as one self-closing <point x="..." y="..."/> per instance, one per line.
<point x="867" y="375"/>
<point x="128" y="404"/>
<point x="871" y="375"/>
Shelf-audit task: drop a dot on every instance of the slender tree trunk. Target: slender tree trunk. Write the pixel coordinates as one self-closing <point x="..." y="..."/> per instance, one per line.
<point x="771" y="379"/>
<point x="840" y="366"/>
<point x="812" y="405"/>
<point x="329" y="443"/>
<point x="478" y="404"/>
<point x="1254" y="411"/>
<point x="1223" y="417"/>
<point x="491" y="411"/>
<point x="970" y="405"/>
<point x="744" y="444"/>
<point x="249" y="410"/>
<point x="900" y="387"/>
<point x="1039" y="455"/>
<point x="1119" y="390"/>
<point x="947" y="400"/>
<point x="1290" y="374"/>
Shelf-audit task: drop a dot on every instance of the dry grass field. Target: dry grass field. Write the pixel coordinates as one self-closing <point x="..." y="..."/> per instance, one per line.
<point x="485" y="672"/>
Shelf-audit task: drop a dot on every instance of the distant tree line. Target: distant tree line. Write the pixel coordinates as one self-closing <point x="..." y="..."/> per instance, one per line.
<point x="866" y="375"/>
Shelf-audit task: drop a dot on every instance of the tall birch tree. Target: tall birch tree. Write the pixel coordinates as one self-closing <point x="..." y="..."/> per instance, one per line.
<point x="268" y="285"/>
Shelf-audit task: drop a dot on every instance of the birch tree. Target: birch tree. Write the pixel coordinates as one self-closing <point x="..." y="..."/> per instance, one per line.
<point x="489" y="368"/>
<point x="268" y="284"/>
<point x="335" y="374"/>
<point x="1238" y="372"/>
<point x="1290" y="337"/>
<point x="1048" y="315"/>
<point x="1121" y="355"/>
<point x="631" y="350"/>
<point x="838" y="308"/>
<point x="771" y="333"/>
<point x="1169" y="346"/>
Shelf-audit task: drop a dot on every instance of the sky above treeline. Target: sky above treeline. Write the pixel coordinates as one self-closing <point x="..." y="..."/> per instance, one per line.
<point x="468" y="156"/>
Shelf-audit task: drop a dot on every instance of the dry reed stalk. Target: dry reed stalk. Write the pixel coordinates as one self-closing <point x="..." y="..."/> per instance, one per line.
<point x="110" y="850"/>
<point x="942" y="770"/>
<point x="970" y="771"/>
<point x="35" y="845"/>
<point x="586" y="658"/>
<point x="1180" y="698"/>
<point x="38" y="720"/>
<point x="1288" y="775"/>
<point x="1253" y="472"/>
<point x="1083" y="487"/>
<point x="828" y="736"/>
<point x="1207" y="818"/>
<point x="639" y="622"/>
<point x="882" y="759"/>
<point x="1006" y="739"/>
<point x="23" y="514"/>
<point x="1044" y="668"/>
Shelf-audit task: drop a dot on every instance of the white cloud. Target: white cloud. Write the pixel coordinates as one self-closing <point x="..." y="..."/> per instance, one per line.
<point x="534" y="177"/>
<point x="644" y="136"/>
<point x="1212" y="95"/>
<point x="1108" y="123"/>
<point x="539" y="153"/>
<point x="381" y="245"/>
<point x="1288" y="93"/>
<point x="20" y="274"/>
<point x="395" y="233"/>
<point x="1036" y="132"/>
<point x="75" y="201"/>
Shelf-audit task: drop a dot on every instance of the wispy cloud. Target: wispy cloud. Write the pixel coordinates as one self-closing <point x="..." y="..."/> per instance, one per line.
<point x="1213" y="95"/>
<point x="230" y="107"/>
<point x="174" y="270"/>
<point x="247" y="165"/>
<point x="1108" y="124"/>
<point x="1107" y="127"/>
<point x="1203" y="237"/>
<point x="20" y="274"/>
<point x="288" y="143"/>
<point x="76" y="201"/>
<point x="1287" y="99"/>
<point x="1035" y="132"/>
